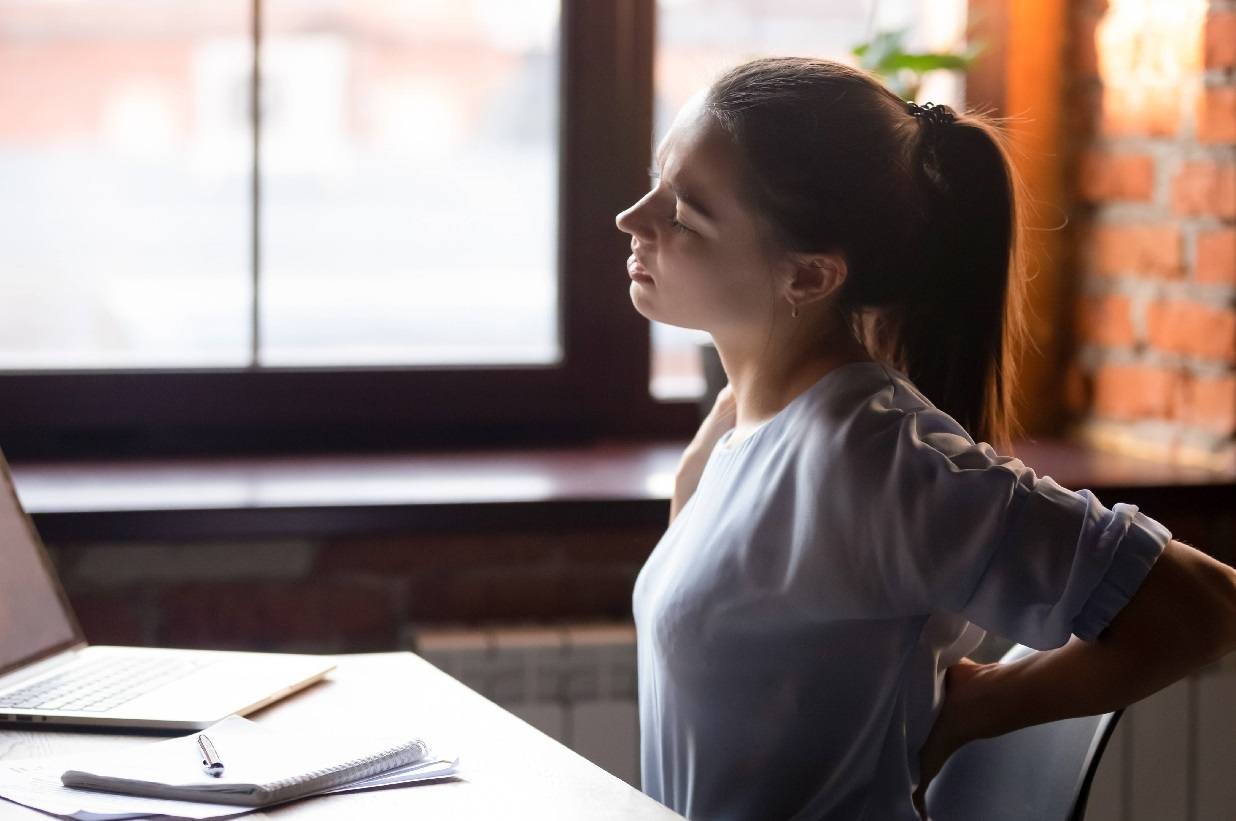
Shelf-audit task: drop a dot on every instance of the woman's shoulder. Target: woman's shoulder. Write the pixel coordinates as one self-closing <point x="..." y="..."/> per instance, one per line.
<point x="869" y="411"/>
<point x="861" y="393"/>
<point x="882" y="446"/>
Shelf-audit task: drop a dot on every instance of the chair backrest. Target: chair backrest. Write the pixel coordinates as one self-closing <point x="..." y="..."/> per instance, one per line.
<point x="1039" y="773"/>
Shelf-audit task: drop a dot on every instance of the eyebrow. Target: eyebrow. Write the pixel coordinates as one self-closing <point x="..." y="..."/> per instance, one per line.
<point x="683" y="196"/>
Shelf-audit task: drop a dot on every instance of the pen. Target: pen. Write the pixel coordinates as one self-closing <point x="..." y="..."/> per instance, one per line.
<point x="210" y="759"/>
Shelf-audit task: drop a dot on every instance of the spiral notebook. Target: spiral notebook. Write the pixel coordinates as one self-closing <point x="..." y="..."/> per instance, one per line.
<point x="261" y="766"/>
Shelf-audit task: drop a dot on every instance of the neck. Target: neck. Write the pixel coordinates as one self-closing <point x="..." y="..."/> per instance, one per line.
<point x="766" y="376"/>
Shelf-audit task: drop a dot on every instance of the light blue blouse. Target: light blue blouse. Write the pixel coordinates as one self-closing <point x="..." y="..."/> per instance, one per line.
<point x="795" y="622"/>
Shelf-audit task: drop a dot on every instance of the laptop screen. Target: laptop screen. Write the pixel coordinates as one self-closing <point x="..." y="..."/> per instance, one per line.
<point x="34" y="618"/>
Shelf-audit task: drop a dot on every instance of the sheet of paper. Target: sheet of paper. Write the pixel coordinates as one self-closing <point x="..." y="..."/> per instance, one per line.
<point x="36" y="783"/>
<point x="443" y="766"/>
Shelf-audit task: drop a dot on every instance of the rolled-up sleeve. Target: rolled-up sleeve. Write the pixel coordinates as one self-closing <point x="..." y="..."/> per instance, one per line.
<point x="981" y="535"/>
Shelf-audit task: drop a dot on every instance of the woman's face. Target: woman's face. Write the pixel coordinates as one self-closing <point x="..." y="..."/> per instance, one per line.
<point x="698" y="258"/>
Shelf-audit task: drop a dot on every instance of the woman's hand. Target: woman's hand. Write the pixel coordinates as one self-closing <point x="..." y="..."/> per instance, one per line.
<point x="964" y="683"/>
<point x="721" y="418"/>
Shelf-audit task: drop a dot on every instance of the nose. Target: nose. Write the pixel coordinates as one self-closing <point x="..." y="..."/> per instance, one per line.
<point x="633" y="222"/>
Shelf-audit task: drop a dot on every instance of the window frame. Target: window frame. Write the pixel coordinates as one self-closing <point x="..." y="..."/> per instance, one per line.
<point x="599" y="389"/>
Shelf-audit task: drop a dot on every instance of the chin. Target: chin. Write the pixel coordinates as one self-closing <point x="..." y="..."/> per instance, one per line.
<point x="642" y="301"/>
<point x="645" y="307"/>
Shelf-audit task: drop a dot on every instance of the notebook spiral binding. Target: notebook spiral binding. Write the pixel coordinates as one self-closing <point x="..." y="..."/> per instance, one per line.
<point x="357" y="770"/>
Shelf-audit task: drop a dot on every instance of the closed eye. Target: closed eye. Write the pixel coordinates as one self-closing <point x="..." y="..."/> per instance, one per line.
<point x="655" y="176"/>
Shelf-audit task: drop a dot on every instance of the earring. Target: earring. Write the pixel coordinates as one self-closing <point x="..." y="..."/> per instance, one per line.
<point x="794" y="310"/>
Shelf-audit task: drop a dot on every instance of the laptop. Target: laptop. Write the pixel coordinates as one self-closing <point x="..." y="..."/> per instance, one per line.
<point x="50" y="675"/>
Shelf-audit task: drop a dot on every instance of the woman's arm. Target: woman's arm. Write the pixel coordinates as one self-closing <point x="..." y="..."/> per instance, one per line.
<point x="1182" y="617"/>
<point x="691" y="466"/>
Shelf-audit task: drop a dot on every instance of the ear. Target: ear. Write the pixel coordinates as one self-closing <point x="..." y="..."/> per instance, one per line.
<point x="815" y="277"/>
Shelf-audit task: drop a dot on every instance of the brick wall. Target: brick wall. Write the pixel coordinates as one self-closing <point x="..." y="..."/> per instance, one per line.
<point x="362" y="594"/>
<point x="1152" y="107"/>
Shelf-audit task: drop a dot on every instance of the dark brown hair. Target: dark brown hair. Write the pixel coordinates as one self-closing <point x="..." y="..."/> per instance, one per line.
<point x="923" y="208"/>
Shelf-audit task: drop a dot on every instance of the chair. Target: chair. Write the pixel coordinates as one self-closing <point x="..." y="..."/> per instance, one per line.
<point x="1039" y="773"/>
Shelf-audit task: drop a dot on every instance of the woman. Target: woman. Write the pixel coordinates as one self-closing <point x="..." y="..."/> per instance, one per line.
<point x="838" y="542"/>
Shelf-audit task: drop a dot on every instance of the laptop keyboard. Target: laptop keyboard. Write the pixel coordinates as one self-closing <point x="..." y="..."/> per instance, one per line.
<point x="100" y="684"/>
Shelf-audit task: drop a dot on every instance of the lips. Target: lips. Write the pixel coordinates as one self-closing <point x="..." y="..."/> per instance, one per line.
<point x="636" y="269"/>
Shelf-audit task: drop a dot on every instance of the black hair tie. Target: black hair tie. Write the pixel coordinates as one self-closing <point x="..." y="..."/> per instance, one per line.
<point x="931" y="114"/>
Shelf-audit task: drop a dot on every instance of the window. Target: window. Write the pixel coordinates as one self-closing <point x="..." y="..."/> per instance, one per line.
<point x="409" y="194"/>
<point x="408" y="241"/>
<point x="124" y="241"/>
<point x="405" y="211"/>
<point x="418" y="250"/>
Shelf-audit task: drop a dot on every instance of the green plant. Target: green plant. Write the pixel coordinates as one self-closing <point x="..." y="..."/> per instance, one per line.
<point x="902" y="71"/>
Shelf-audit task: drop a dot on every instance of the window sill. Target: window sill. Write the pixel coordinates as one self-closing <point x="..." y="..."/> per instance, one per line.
<point x="345" y="494"/>
<point x="605" y="483"/>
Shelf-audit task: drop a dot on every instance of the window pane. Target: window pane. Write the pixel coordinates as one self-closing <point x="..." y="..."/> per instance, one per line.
<point x="698" y="39"/>
<point x="125" y="160"/>
<point x="409" y="159"/>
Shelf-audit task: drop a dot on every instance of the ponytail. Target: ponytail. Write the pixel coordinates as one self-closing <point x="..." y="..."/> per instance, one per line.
<point x="921" y="202"/>
<point x="958" y="342"/>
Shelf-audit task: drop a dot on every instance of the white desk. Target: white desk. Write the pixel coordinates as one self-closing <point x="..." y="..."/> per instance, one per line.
<point x="512" y="770"/>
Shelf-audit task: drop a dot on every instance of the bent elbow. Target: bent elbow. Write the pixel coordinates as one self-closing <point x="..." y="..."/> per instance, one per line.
<point x="1220" y="632"/>
<point x="1199" y="594"/>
